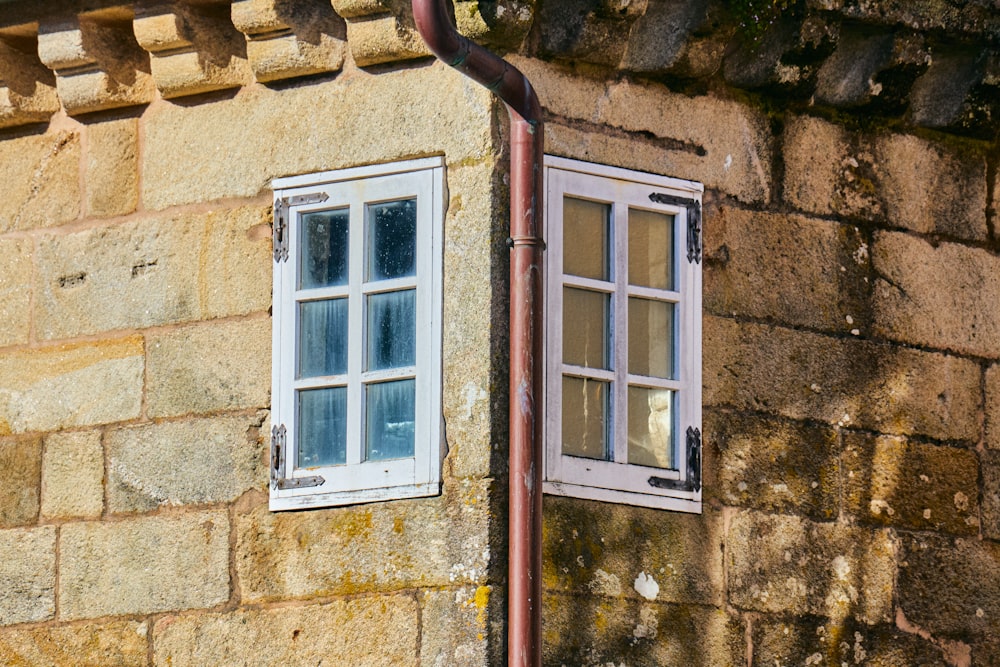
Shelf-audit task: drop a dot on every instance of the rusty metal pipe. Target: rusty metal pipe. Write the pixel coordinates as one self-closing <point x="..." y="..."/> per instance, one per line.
<point x="524" y="622"/>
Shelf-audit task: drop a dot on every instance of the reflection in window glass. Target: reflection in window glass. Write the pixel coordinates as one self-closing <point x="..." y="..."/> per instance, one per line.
<point x="650" y="249"/>
<point x="390" y="423"/>
<point x="391" y="330"/>
<point x="585" y="328"/>
<point x="585" y="246"/>
<point x="650" y="427"/>
<point x="650" y="338"/>
<point x="585" y="418"/>
<point x="322" y="435"/>
<point x="322" y="337"/>
<point x="324" y="248"/>
<point x="392" y="239"/>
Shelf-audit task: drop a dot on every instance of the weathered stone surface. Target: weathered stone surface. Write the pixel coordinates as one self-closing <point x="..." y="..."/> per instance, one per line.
<point x="840" y="381"/>
<point x="367" y="118"/>
<point x="119" y="643"/>
<point x="594" y="32"/>
<point x="41" y="176"/>
<point x="594" y="632"/>
<point x="382" y="547"/>
<point x="21" y="462"/>
<point x="990" y="467"/>
<point x="112" y="167"/>
<point x="938" y="98"/>
<point x="949" y="585"/>
<point x="15" y="291"/>
<point x="27" y="575"/>
<point x="663" y="39"/>
<point x="931" y="189"/>
<point x="787" y="55"/>
<point x="772" y="464"/>
<point x="721" y="143"/>
<point x="847" y="78"/>
<point x="971" y="16"/>
<point x="189" y="462"/>
<point x="73" y="475"/>
<point x="819" y="641"/>
<point x="136" y="274"/>
<point x="790" y="269"/>
<point x="790" y="565"/>
<point x="599" y="549"/>
<point x="893" y="482"/>
<point x="209" y="366"/>
<point x="234" y="251"/>
<point x="64" y="386"/>
<point x="28" y="89"/>
<point x="455" y="623"/>
<point x="373" y="631"/>
<point x="935" y="296"/>
<point x="145" y="565"/>
<point x="384" y="38"/>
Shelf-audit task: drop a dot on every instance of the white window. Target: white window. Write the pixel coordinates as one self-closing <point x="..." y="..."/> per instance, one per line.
<point x="623" y="348"/>
<point x="356" y="389"/>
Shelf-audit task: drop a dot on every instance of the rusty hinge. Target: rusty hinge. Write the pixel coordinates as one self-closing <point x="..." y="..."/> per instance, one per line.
<point x="693" y="207"/>
<point x="691" y="481"/>
<point x="279" y="229"/>
<point x="278" y="457"/>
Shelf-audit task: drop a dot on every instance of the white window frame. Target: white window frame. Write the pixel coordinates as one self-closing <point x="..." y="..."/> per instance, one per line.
<point x="358" y="481"/>
<point x="675" y="489"/>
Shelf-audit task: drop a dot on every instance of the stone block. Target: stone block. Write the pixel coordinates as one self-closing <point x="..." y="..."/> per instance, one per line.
<point x="826" y="174"/>
<point x="137" y="274"/>
<point x="592" y="631"/>
<point x="179" y="463"/>
<point x="27" y="575"/>
<point x="949" y="585"/>
<point x="66" y="386"/>
<point x="677" y="50"/>
<point x="382" y="547"/>
<point x="112" y="171"/>
<point x="990" y="466"/>
<point x="789" y="565"/>
<point x="455" y="624"/>
<point x="21" y="462"/>
<point x="787" y="55"/>
<point x="383" y="39"/>
<point x="931" y="189"/>
<point x="235" y="254"/>
<point x="721" y="143"/>
<point x="939" y="97"/>
<point x="119" y="643"/>
<point x="364" y="119"/>
<point x="840" y="381"/>
<point x="893" y="482"/>
<point x="374" y="631"/>
<point x="97" y="62"/>
<point x="848" y="77"/>
<point x="600" y="549"/>
<point x="27" y="88"/>
<point x="288" y="39"/>
<point x="15" y="291"/>
<point x="594" y="32"/>
<point x="144" y="565"/>
<point x="41" y="174"/>
<point x="933" y="295"/>
<point x="73" y="475"/>
<point x="787" y="268"/>
<point x="772" y="464"/>
<point x="207" y="367"/>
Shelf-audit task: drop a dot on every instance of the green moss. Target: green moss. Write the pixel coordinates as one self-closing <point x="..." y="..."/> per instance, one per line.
<point x="756" y="16"/>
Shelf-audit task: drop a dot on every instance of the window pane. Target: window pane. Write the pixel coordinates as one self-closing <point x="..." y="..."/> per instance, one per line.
<point x="585" y="418"/>
<point x="585" y="327"/>
<point x="322" y="427"/>
<point x="650" y="427"/>
<point x="391" y="330"/>
<point x="391" y="410"/>
<point x="585" y="238"/>
<point x="324" y="246"/>
<point x="322" y="337"/>
<point x="650" y="249"/>
<point x="650" y="338"/>
<point x="392" y="239"/>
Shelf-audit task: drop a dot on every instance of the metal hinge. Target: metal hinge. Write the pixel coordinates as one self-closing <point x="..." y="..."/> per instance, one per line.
<point x="692" y="481"/>
<point x="693" y="207"/>
<point x="278" y="456"/>
<point x="279" y="230"/>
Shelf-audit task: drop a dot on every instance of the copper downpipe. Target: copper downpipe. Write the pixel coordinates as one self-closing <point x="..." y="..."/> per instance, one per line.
<point x="524" y="622"/>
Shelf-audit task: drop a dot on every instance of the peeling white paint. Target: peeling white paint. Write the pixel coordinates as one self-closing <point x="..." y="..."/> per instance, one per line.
<point x="646" y="586"/>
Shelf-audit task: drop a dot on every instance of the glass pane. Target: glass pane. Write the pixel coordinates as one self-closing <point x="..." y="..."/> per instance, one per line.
<point x="322" y="427"/>
<point x="585" y="418"/>
<point x="650" y="249"/>
<point x="392" y="339"/>
<point x="650" y="338"/>
<point x="391" y="410"/>
<point x="585" y="238"/>
<point x="323" y="259"/>
<point x="392" y="239"/>
<point x="650" y="427"/>
<point x="585" y="327"/>
<point x="322" y="338"/>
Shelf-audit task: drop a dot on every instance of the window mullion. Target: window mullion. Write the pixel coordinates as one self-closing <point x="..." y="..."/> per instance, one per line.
<point x="355" y="335"/>
<point x="619" y="332"/>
